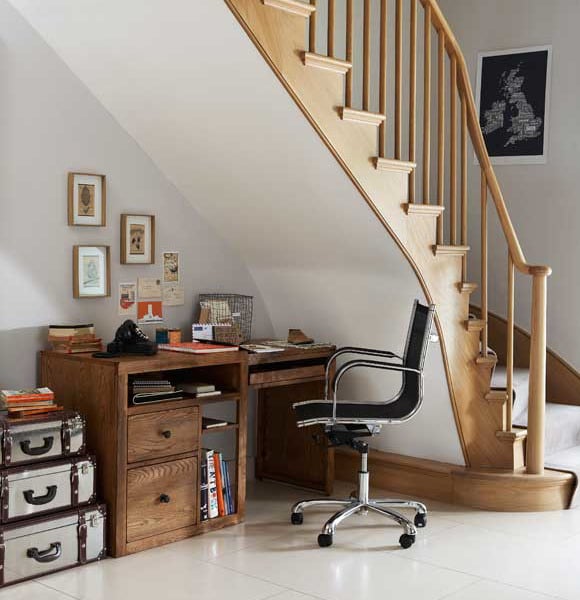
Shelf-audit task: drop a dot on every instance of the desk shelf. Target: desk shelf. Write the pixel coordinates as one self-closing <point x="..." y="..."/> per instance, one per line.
<point x="228" y="427"/>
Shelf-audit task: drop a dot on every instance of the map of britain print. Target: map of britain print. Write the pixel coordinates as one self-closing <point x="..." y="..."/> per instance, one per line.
<point x="513" y="103"/>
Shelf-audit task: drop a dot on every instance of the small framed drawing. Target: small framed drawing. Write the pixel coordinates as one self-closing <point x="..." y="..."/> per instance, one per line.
<point x="513" y="101"/>
<point x="91" y="271"/>
<point x="137" y="239"/>
<point x="87" y="203"/>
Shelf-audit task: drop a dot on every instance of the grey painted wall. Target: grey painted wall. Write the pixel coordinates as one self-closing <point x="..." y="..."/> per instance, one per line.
<point x="52" y="124"/>
<point x="543" y="200"/>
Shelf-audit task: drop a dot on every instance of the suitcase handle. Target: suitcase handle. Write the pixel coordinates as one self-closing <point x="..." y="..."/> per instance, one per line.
<point x="39" y="500"/>
<point x="52" y="553"/>
<point x="39" y="450"/>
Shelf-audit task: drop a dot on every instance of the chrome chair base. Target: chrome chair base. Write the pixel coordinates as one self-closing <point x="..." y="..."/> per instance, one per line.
<point x="360" y="503"/>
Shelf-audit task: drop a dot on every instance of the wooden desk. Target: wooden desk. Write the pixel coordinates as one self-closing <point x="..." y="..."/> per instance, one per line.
<point x="148" y="456"/>
<point x="286" y="453"/>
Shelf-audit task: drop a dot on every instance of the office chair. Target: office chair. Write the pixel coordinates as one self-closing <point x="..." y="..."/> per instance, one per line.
<point x="346" y="422"/>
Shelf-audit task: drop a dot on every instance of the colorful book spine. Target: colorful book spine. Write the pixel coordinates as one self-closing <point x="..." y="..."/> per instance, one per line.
<point x="231" y="488"/>
<point x="219" y="483"/>
<point x="212" y="501"/>
<point x="203" y="494"/>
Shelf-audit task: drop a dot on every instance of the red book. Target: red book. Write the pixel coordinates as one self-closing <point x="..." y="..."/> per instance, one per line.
<point x="219" y="485"/>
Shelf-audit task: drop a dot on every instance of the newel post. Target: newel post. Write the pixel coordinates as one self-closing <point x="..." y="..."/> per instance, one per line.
<point x="537" y="383"/>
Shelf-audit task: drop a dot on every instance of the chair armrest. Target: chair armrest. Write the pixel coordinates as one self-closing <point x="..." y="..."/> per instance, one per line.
<point x="353" y="350"/>
<point x="371" y="364"/>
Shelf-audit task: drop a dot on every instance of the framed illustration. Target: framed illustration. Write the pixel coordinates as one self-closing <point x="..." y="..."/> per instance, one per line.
<point x="137" y="239"/>
<point x="91" y="271"/>
<point x="87" y="203"/>
<point x="513" y="101"/>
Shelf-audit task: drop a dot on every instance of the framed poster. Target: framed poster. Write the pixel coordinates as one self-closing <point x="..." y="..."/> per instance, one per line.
<point x="513" y="101"/>
<point x="91" y="271"/>
<point x="87" y="204"/>
<point x="137" y="239"/>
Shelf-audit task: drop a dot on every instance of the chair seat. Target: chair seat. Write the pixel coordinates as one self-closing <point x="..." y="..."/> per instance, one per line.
<point x="321" y="410"/>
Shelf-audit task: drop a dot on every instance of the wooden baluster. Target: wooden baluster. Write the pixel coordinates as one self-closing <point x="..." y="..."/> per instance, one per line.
<point x="398" y="79"/>
<point x="510" y="343"/>
<point x="427" y="107"/>
<point x="349" y="43"/>
<point x="484" y="262"/>
<point x="464" y="183"/>
<point x="453" y="151"/>
<point x="383" y="80"/>
<point x="367" y="55"/>
<point x="440" y="131"/>
<point x="331" y="20"/>
<point x="537" y="384"/>
<point x="312" y="29"/>
<point x="412" y="95"/>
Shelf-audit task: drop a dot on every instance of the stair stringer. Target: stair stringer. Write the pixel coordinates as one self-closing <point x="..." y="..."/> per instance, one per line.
<point x="319" y="93"/>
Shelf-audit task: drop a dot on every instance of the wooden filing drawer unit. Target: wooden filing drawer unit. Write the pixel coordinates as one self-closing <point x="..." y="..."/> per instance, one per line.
<point x="148" y="455"/>
<point x="162" y="433"/>
<point x="161" y="497"/>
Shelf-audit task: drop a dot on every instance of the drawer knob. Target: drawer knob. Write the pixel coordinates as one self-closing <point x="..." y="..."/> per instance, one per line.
<point x="164" y="499"/>
<point x="166" y="434"/>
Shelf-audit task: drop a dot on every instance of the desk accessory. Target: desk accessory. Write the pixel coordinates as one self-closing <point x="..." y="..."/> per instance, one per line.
<point x="129" y="339"/>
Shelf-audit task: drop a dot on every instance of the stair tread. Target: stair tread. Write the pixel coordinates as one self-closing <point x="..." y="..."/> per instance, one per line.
<point x="440" y="249"/>
<point x="392" y="164"/>
<point x="361" y="116"/>
<point x="310" y="59"/>
<point x="474" y="324"/>
<point x="512" y="436"/>
<point x="294" y="7"/>
<point x="467" y="288"/>
<point x="433" y="210"/>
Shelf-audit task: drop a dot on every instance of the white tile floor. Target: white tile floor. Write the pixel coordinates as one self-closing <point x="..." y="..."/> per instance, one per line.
<point x="463" y="554"/>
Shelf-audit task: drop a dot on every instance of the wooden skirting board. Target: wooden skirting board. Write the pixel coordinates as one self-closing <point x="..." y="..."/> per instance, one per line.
<point x="477" y="488"/>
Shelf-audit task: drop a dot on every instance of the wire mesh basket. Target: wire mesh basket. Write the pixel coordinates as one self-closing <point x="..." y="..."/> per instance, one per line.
<point x="230" y="315"/>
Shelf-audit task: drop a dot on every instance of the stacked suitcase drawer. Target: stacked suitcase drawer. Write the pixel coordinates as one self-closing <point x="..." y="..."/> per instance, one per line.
<point x="49" y="519"/>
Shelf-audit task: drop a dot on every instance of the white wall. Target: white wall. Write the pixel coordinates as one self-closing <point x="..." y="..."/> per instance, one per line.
<point x="192" y="90"/>
<point x="543" y="200"/>
<point x="51" y="124"/>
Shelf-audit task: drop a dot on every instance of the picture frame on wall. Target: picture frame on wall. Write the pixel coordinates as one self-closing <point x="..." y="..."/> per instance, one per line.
<point x="137" y="239"/>
<point x="513" y="102"/>
<point x="87" y="200"/>
<point x="91" y="271"/>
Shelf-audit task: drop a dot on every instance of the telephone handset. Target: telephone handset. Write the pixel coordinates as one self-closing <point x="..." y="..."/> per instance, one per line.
<point x="129" y="339"/>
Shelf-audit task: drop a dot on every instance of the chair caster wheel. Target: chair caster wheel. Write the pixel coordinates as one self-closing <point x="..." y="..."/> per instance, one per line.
<point x="297" y="518"/>
<point x="324" y="540"/>
<point x="407" y="540"/>
<point x="420" y="520"/>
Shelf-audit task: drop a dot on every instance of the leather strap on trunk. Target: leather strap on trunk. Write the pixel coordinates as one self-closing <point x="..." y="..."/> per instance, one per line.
<point x="2" y="555"/>
<point x="82" y="537"/>
<point x="74" y="485"/>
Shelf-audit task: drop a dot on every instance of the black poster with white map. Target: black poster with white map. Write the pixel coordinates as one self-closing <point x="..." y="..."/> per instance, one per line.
<point x="513" y="104"/>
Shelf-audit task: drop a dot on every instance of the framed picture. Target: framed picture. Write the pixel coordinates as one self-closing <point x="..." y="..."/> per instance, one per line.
<point x="137" y="239"/>
<point x="91" y="271"/>
<point x="87" y="204"/>
<point x="513" y="98"/>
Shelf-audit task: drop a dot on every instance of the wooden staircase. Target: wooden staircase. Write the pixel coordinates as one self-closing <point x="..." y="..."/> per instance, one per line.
<point x="382" y="163"/>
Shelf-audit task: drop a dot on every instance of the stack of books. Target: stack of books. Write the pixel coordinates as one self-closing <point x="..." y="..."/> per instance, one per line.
<point x="74" y="339"/>
<point x="154" y="390"/>
<point x="200" y="390"/>
<point x="23" y="403"/>
<point x="217" y="486"/>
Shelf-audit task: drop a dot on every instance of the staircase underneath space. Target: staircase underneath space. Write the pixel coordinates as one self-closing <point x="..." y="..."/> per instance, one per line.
<point x="409" y="164"/>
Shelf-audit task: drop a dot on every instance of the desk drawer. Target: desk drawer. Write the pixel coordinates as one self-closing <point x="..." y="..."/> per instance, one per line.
<point x="161" y="498"/>
<point x="278" y="376"/>
<point x="162" y="433"/>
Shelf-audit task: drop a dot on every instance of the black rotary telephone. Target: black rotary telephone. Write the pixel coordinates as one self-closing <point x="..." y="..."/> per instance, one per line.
<point x="129" y="339"/>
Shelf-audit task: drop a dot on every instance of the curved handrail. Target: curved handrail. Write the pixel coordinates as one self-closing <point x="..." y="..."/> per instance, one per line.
<point x="478" y="142"/>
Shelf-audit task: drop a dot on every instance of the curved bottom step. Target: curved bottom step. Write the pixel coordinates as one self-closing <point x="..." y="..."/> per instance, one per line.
<point x="496" y="490"/>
